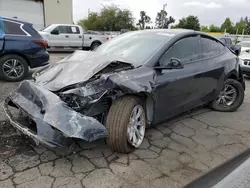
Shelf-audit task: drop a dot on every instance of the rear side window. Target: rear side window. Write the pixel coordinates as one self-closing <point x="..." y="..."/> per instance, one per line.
<point x="74" y="30"/>
<point x="13" y="28"/>
<point x="211" y="47"/>
<point x="1" y="28"/>
<point x="186" y="50"/>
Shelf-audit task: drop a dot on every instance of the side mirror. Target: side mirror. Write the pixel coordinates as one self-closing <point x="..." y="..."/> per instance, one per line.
<point x="176" y="63"/>
<point x="55" y="32"/>
<point x="237" y="52"/>
<point x="173" y="64"/>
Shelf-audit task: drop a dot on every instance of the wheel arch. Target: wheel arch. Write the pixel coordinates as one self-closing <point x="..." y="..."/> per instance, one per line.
<point x="96" y="41"/>
<point x="16" y="53"/>
<point x="232" y="75"/>
<point x="149" y="105"/>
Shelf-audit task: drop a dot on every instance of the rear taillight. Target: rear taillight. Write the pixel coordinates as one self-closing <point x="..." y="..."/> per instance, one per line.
<point x="107" y="38"/>
<point x="41" y="43"/>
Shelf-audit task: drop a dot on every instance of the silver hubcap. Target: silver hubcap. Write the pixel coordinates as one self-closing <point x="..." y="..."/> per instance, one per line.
<point x="13" y="68"/>
<point x="227" y="96"/>
<point x="136" y="127"/>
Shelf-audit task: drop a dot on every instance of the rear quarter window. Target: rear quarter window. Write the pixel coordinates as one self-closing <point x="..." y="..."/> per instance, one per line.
<point x="13" y="28"/>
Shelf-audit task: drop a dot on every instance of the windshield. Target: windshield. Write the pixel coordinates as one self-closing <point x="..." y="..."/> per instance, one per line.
<point x="136" y="47"/>
<point x="245" y="44"/>
<point x="46" y="28"/>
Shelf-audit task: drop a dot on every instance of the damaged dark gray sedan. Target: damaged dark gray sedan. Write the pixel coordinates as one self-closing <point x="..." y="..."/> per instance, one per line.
<point x="132" y="82"/>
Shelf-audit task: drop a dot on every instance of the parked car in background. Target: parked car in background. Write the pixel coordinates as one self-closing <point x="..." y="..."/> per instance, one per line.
<point x="72" y="36"/>
<point x="129" y="83"/>
<point x="112" y="34"/>
<point x="228" y="42"/>
<point x="245" y="57"/>
<point x="21" y="47"/>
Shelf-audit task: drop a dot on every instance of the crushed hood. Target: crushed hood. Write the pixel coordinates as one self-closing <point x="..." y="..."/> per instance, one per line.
<point x="76" y="68"/>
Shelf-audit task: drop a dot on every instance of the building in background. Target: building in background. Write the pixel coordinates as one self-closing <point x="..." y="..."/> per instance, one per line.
<point x="40" y="13"/>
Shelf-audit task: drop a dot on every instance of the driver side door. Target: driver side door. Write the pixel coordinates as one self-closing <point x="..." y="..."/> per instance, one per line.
<point x="178" y="90"/>
<point x="62" y="39"/>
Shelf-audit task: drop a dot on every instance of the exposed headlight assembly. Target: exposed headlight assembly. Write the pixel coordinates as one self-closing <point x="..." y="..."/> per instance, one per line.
<point x="77" y="102"/>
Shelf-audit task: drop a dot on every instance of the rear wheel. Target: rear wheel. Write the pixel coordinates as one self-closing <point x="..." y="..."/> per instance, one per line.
<point x="95" y="45"/>
<point x="126" y="124"/>
<point x="13" y="68"/>
<point x="230" y="98"/>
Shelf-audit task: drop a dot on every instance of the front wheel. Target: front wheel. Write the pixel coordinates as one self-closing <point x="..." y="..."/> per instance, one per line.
<point x="126" y="124"/>
<point x="230" y="98"/>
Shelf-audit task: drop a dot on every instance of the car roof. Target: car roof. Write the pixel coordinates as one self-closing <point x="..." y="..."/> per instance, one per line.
<point x="174" y="32"/>
<point x="14" y="20"/>
<point x="167" y="31"/>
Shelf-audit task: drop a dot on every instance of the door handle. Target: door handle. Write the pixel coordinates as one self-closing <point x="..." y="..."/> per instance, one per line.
<point x="90" y="37"/>
<point x="80" y="37"/>
<point x="67" y="36"/>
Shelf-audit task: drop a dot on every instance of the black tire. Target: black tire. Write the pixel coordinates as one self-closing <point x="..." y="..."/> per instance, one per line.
<point x="94" y="45"/>
<point x="21" y="60"/>
<point x="237" y="103"/>
<point x="118" y="121"/>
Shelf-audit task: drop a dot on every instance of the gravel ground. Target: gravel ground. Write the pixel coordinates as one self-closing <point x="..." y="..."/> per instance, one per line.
<point x="172" y="154"/>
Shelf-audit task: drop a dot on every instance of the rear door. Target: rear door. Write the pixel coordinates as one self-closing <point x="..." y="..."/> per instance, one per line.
<point x="60" y="40"/>
<point x="1" y="35"/>
<point x="75" y="36"/>
<point x="213" y="65"/>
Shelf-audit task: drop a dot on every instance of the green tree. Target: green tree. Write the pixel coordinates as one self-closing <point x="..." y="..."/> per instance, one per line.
<point x="92" y="23"/>
<point x="240" y="26"/>
<point x="162" y="21"/>
<point x="247" y="31"/>
<point x="247" y="23"/>
<point x="228" y="26"/>
<point x="111" y="18"/>
<point x="144" y="19"/>
<point x="204" y="28"/>
<point x="190" y="22"/>
<point x="214" y="28"/>
<point x="246" y="20"/>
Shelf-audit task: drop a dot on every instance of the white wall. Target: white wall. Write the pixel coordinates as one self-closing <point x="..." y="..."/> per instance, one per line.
<point x="58" y="12"/>
<point x="26" y="10"/>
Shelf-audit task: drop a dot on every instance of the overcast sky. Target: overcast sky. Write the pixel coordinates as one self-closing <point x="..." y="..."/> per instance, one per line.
<point x="208" y="11"/>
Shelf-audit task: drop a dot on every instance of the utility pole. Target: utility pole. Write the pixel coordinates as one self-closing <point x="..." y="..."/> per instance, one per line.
<point x="162" y="13"/>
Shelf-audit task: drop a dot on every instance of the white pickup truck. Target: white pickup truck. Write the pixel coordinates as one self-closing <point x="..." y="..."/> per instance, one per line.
<point x="71" y="36"/>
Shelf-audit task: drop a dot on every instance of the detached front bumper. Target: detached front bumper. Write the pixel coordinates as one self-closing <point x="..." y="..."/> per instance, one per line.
<point x="53" y="123"/>
<point x="47" y="136"/>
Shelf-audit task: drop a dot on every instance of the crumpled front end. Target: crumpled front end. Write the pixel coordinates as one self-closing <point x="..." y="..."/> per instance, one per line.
<point x="54" y="123"/>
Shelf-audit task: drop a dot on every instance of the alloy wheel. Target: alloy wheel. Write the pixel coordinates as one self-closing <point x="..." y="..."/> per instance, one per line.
<point x="136" y="127"/>
<point x="227" y="96"/>
<point x="13" y="68"/>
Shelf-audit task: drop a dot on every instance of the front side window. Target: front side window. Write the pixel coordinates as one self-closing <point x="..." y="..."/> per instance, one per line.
<point x="13" y="28"/>
<point x="186" y="50"/>
<point x="61" y="29"/>
<point x="211" y="47"/>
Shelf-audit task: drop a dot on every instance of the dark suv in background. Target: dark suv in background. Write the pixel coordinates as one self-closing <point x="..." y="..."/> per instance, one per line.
<point x="21" y="47"/>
